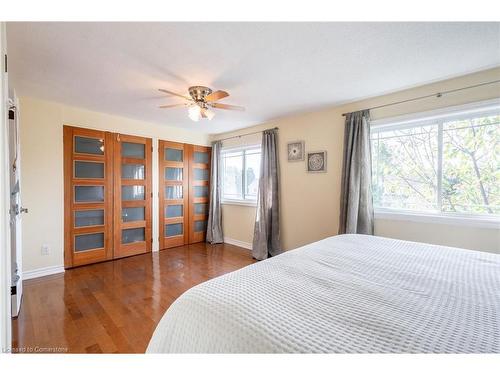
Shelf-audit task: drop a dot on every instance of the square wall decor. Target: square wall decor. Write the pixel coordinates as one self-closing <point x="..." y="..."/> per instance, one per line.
<point x="316" y="161"/>
<point x="295" y="151"/>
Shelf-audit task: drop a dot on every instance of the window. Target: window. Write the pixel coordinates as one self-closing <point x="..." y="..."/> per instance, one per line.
<point x="446" y="163"/>
<point x="241" y="171"/>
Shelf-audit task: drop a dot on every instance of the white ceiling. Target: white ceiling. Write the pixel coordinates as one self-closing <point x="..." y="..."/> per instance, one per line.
<point x="273" y="69"/>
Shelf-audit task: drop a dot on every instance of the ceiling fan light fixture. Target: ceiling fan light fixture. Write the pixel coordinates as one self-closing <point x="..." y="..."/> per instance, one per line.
<point x="210" y="114"/>
<point x="194" y="112"/>
<point x="201" y="102"/>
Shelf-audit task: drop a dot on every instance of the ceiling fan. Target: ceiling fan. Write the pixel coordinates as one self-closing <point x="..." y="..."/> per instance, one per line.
<point x="201" y="101"/>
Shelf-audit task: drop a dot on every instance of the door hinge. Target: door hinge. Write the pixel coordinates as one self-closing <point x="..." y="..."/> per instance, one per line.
<point x="6" y="69"/>
<point x="13" y="290"/>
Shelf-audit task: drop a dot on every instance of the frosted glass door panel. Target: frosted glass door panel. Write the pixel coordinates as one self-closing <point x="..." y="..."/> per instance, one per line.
<point x="133" y="171"/>
<point x="90" y="241"/>
<point x="201" y="208"/>
<point x="174" y="210"/>
<point x="89" y="193"/>
<point x="200" y="174"/>
<point x="200" y="157"/>
<point x="87" y="169"/>
<point x="171" y="154"/>
<point x="133" y="214"/>
<point x="84" y="145"/>
<point x="200" y="191"/>
<point x="132" y="193"/>
<point x="133" y="235"/>
<point x="133" y="150"/>
<point x="173" y="229"/>
<point x="173" y="192"/>
<point x="173" y="174"/>
<point x="89" y="218"/>
<point x="200" y="225"/>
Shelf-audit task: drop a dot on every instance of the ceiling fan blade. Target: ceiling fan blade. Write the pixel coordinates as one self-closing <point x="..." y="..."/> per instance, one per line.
<point x="202" y="112"/>
<point x="227" y="106"/>
<point x="216" y="95"/>
<point x="175" y="94"/>
<point x="172" y="105"/>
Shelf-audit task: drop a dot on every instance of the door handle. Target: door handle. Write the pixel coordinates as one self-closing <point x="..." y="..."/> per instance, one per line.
<point x="24" y="210"/>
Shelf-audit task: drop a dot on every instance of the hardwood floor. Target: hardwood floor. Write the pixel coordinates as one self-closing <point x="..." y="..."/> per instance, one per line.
<point x="113" y="307"/>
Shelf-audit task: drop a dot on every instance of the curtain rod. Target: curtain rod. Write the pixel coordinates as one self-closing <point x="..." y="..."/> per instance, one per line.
<point x="437" y="94"/>
<point x="244" y="135"/>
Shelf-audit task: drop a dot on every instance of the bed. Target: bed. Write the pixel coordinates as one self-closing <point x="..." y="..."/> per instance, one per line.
<point x="344" y="294"/>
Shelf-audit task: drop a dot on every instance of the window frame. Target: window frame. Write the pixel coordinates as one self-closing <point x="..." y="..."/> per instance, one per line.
<point x="243" y="149"/>
<point x="438" y="117"/>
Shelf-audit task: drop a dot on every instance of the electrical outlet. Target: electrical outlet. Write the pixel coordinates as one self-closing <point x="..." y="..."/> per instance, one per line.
<point x="45" y="249"/>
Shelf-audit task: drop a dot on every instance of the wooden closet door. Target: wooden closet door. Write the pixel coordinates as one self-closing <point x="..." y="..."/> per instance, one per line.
<point x="88" y="196"/>
<point x="173" y="194"/>
<point x="199" y="188"/>
<point x="132" y="195"/>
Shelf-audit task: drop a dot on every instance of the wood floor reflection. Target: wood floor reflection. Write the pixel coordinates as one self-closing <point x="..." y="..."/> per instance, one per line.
<point x="113" y="307"/>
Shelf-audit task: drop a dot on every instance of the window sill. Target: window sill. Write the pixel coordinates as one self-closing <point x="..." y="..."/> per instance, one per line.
<point x="424" y="217"/>
<point x="236" y="202"/>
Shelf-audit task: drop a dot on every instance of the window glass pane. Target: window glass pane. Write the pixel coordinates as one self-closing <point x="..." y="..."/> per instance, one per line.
<point x="133" y="235"/>
<point x="173" y="192"/>
<point x="84" y="145"/>
<point x="85" y="169"/>
<point x="471" y="165"/>
<point x="133" y="214"/>
<point x="200" y="174"/>
<point x="130" y="193"/>
<point x="89" y="218"/>
<point x="233" y="175"/>
<point x="173" y="210"/>
<point x="89" y="193"/>
<point x="133" y="171"/>
<point x="200" y="157"/>
<point x="200" y="225"/>
<point x="89" y="241"/>
<point x="171" y="154"/>
<point x="405" y="168"/>
<point x="173" y="174"/>
<point x="201" y="208"/>
<point x="133" y="150"/>
<point x="200" y="191"/>
<point x="252" y="173"/>
<point x="173" y="230"/>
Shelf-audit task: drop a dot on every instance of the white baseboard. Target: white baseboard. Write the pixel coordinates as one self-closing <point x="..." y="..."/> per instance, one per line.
<point x="45" y="271"/>
<point x="231" y="241"/>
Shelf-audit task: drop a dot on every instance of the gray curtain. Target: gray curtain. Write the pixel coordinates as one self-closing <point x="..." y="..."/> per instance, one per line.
<point x="266" y="238"/>
<point x="356" y="204"/>
<point x="214" y="224"/>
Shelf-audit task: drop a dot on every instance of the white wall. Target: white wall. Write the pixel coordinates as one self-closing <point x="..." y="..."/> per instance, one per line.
<point x="41" y="138"/>
<point x="456" y="235"/>
<point x="310" y="202"/>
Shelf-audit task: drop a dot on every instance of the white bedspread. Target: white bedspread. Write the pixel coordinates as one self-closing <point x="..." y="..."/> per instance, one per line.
<point x="344" y="294"/>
